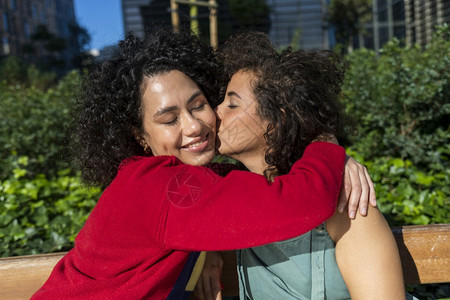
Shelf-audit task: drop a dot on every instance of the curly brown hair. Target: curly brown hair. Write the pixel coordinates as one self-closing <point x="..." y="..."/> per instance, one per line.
<point x="297" y="92"/>
<point x="109" y="112"/>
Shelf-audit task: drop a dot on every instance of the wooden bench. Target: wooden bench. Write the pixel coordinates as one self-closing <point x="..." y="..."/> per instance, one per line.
<point x="424" y="250"/>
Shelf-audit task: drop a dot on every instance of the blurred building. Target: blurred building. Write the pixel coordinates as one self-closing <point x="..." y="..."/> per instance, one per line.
<point x="21" y="18"/>
<point x="304" y="22"/>
<point x="140" y="15"/>
<point x="388" y="21"/>
<point x="421" y="17"/>
<point x="411" y="21"/>
<point x="287" y="19"/>
<point x="133" y="20"/>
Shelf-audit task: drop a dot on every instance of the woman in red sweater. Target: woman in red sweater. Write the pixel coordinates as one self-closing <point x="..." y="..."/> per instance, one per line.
<point x="145" y="128"/>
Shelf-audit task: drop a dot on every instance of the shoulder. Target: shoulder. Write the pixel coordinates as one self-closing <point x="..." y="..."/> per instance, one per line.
<point x="340" y="225"/>
<point x="136" y="167"/>
<point x="148" y="163"/>
<point x="158" y="169"/>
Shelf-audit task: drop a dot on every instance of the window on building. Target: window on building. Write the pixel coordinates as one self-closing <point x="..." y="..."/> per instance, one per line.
<point x="6" y="49"/>
<point x="26" y="29"/>
<point x="34" y="13"/>
<point x="383" y="33"/>
<point x="12" y="4"/>
<point x="400" y="32"/>
<point x="5" y="22"/>
<point x="59" y="7"/>
<point x="43" y="16"/>
<point x="398" y="10"/>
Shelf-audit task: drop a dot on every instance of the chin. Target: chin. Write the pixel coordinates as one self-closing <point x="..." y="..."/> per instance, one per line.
<point x="202" y="159"/>
<point x="224" y="150"/>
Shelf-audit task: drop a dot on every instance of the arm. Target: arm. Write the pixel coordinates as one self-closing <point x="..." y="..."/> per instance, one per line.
<point x="367" y="256"/>
<point x="244" y="210"/>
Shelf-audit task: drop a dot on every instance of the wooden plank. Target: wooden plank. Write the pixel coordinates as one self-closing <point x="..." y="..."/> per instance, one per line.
<point x="424" y="250"/>
<point x="21" y="276"/>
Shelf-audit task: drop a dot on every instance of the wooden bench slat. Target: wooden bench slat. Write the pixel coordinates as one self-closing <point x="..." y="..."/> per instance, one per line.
<point x="21" y="276"/>
<point x="424" y="251"/>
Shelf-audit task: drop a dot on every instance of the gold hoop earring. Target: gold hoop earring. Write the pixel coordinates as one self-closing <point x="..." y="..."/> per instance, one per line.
<point x="147" y="148"/>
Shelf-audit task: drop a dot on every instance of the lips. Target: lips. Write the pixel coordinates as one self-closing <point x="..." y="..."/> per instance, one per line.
<point x="197" y="145"/>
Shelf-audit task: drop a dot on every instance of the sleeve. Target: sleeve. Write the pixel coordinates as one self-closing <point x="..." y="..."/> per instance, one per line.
<point x="194" y="209"/>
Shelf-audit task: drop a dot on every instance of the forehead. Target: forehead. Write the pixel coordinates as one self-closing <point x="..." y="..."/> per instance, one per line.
<point x="242" y="84"/>
<point x="166" y="82"/>
<point x="167" y="89"/>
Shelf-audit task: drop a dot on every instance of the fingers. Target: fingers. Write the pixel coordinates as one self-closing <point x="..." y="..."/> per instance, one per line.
<point x="344" y="194"/>
<point x="198" y="291"/>
<point x="372" y="194"/>
<point x="209" y="286"/>
<point x="364" y="197"/>
<point x="353" y="200"/>
<point x="216" y="292"/>
<point x="357" y="188"/>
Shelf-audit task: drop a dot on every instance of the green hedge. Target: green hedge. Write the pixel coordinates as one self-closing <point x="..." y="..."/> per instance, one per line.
<point x="407" y="195"/>
<point x="41" y="215"/>
<point x="400" y="101"/>
<point x="43" y="204"/>
<point x="35" y="123"/>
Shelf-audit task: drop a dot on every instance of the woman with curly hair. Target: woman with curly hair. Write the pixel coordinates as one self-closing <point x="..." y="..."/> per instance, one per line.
<point x="274" y="105"/>
<point x="145" y="128"/>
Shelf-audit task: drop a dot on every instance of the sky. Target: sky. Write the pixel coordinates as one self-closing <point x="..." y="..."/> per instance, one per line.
<point x="103" y="20"/>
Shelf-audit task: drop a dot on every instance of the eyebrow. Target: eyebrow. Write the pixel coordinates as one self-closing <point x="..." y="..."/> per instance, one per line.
<point x="229" y="94"/>
<point x="172" y="108"/>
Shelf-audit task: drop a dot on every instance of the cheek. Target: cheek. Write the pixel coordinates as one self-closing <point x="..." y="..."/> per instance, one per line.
<point x="227" y="118"/>
<point x="209" y="119"/>
<point x="163" y="138"/>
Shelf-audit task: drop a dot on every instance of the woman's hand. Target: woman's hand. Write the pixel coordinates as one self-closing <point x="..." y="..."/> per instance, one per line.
<point x="356" y="189"/>
<point x="209" y="286"/>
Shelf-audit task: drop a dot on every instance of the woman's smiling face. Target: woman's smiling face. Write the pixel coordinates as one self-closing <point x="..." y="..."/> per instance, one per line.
<point x="241" y="129"/>
<point x="177" y="119"/>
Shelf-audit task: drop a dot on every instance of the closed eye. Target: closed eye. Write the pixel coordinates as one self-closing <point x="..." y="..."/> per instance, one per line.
<point x="200" y="107"/>
<point x="173" y="122"/>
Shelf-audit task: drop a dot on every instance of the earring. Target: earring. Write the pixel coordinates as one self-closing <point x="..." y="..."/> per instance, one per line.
<point x="147" y="148"/>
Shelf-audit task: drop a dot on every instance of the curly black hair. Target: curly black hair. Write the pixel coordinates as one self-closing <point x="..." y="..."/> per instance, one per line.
<point x="297" y="92"/>
<point x="109" y="104"/>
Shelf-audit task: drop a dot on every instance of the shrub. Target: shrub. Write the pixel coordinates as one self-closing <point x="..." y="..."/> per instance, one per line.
<point x="34" y="123"/>
<point x="15" y="71"/>
<point x="408" y="195"/>
<point x="39" y="215"/>
<point x="400" y="101"/>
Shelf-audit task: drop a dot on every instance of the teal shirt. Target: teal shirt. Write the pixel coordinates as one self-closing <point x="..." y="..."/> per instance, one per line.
<point x="300" y="268"/>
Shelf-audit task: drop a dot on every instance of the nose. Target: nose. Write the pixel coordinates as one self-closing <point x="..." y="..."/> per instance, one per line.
<point x="218" y="112"/>
<point x="191" y="125"/>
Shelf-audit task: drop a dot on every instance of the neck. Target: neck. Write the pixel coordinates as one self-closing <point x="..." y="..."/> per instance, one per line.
<point x="255" y="163"/>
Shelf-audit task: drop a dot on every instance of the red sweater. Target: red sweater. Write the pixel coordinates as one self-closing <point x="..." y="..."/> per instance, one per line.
<point x="141" y="234"/>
